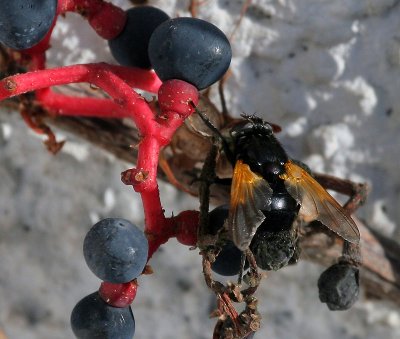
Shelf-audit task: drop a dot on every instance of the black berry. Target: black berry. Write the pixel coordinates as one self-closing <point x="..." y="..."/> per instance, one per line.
<point x="92" y="318"/>
<point x="229" y="260"/>
<point x="339" y="286"/>
<point x="130" y="47"/>
<point x="191" y="50"/>
<point x="115" y="250"/>
<point x="24" y="23"/>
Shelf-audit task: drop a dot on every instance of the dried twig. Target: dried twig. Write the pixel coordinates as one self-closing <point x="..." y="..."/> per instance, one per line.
<point x="380" y="272"/>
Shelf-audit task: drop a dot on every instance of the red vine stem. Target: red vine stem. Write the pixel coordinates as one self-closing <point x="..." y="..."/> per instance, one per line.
<point x="64" y="105"/>
<point x="174" y="97"/>
<point x="102" y="75"/>
<point x="105" y="18"/>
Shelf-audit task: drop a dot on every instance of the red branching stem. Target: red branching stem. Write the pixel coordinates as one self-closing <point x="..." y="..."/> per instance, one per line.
<point x="175" y="100"/>
<point x="61" y="104"/>
<point x="165" y="231"/>
<point x="37" y="61"/>
<point x="174" y="96"/>
<point x="158" y="228"/>
<point x="147" y="162"/>
<point x="143" y="178"/>
<point x="99" y="107"/>
<point x="138" y="78"/>
<point x="105" y="18"/>
<point x="101" y="75"/>
<point x="166" y="128"/>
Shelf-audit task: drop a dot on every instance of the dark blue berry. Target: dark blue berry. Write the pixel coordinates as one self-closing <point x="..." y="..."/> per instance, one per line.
<point x="92" y="318"/>
<point x="129" y="48"/>
<point x="24" y="23"/>
<point x="191" y="50"/>
<point x="229" y="260"/>
<point x="217" y="217"/>
<point x="339" y="286"/>
<point x="115" y="250"/>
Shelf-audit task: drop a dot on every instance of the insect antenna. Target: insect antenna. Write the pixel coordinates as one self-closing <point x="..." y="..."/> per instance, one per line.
<point x="217" y="133"/>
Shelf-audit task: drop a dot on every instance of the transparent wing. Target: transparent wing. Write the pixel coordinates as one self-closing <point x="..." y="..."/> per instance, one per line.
<point x="317" y="204"/>
<point x="250" y="194"/>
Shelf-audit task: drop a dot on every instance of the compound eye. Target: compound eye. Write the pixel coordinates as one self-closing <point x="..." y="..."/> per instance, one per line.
<point x="268" y="127"/>
<point x="248" y="126"/>
<point x="241" y="129"/>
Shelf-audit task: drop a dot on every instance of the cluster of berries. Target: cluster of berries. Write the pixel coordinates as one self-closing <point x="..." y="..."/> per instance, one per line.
<point x="176" y="58"/>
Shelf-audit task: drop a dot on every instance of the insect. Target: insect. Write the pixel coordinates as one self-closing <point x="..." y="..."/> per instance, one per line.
<point x="266" y="182"/>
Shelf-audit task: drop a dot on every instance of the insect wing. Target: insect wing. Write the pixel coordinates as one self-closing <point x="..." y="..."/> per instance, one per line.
<point x="317" y="204"/>
<point x="250" y="193"/>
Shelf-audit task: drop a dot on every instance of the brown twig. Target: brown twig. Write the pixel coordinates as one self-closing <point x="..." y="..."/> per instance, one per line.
<point x="380" y="271"/>
<point x="243" y="11"/>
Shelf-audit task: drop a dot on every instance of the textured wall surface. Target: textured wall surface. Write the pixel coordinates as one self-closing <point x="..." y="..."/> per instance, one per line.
<point x="327" y="71"/>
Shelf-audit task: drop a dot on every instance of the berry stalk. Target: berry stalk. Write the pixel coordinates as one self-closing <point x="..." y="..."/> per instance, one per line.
<point x="101" y="75"/>
<point x="105" y="18"/>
